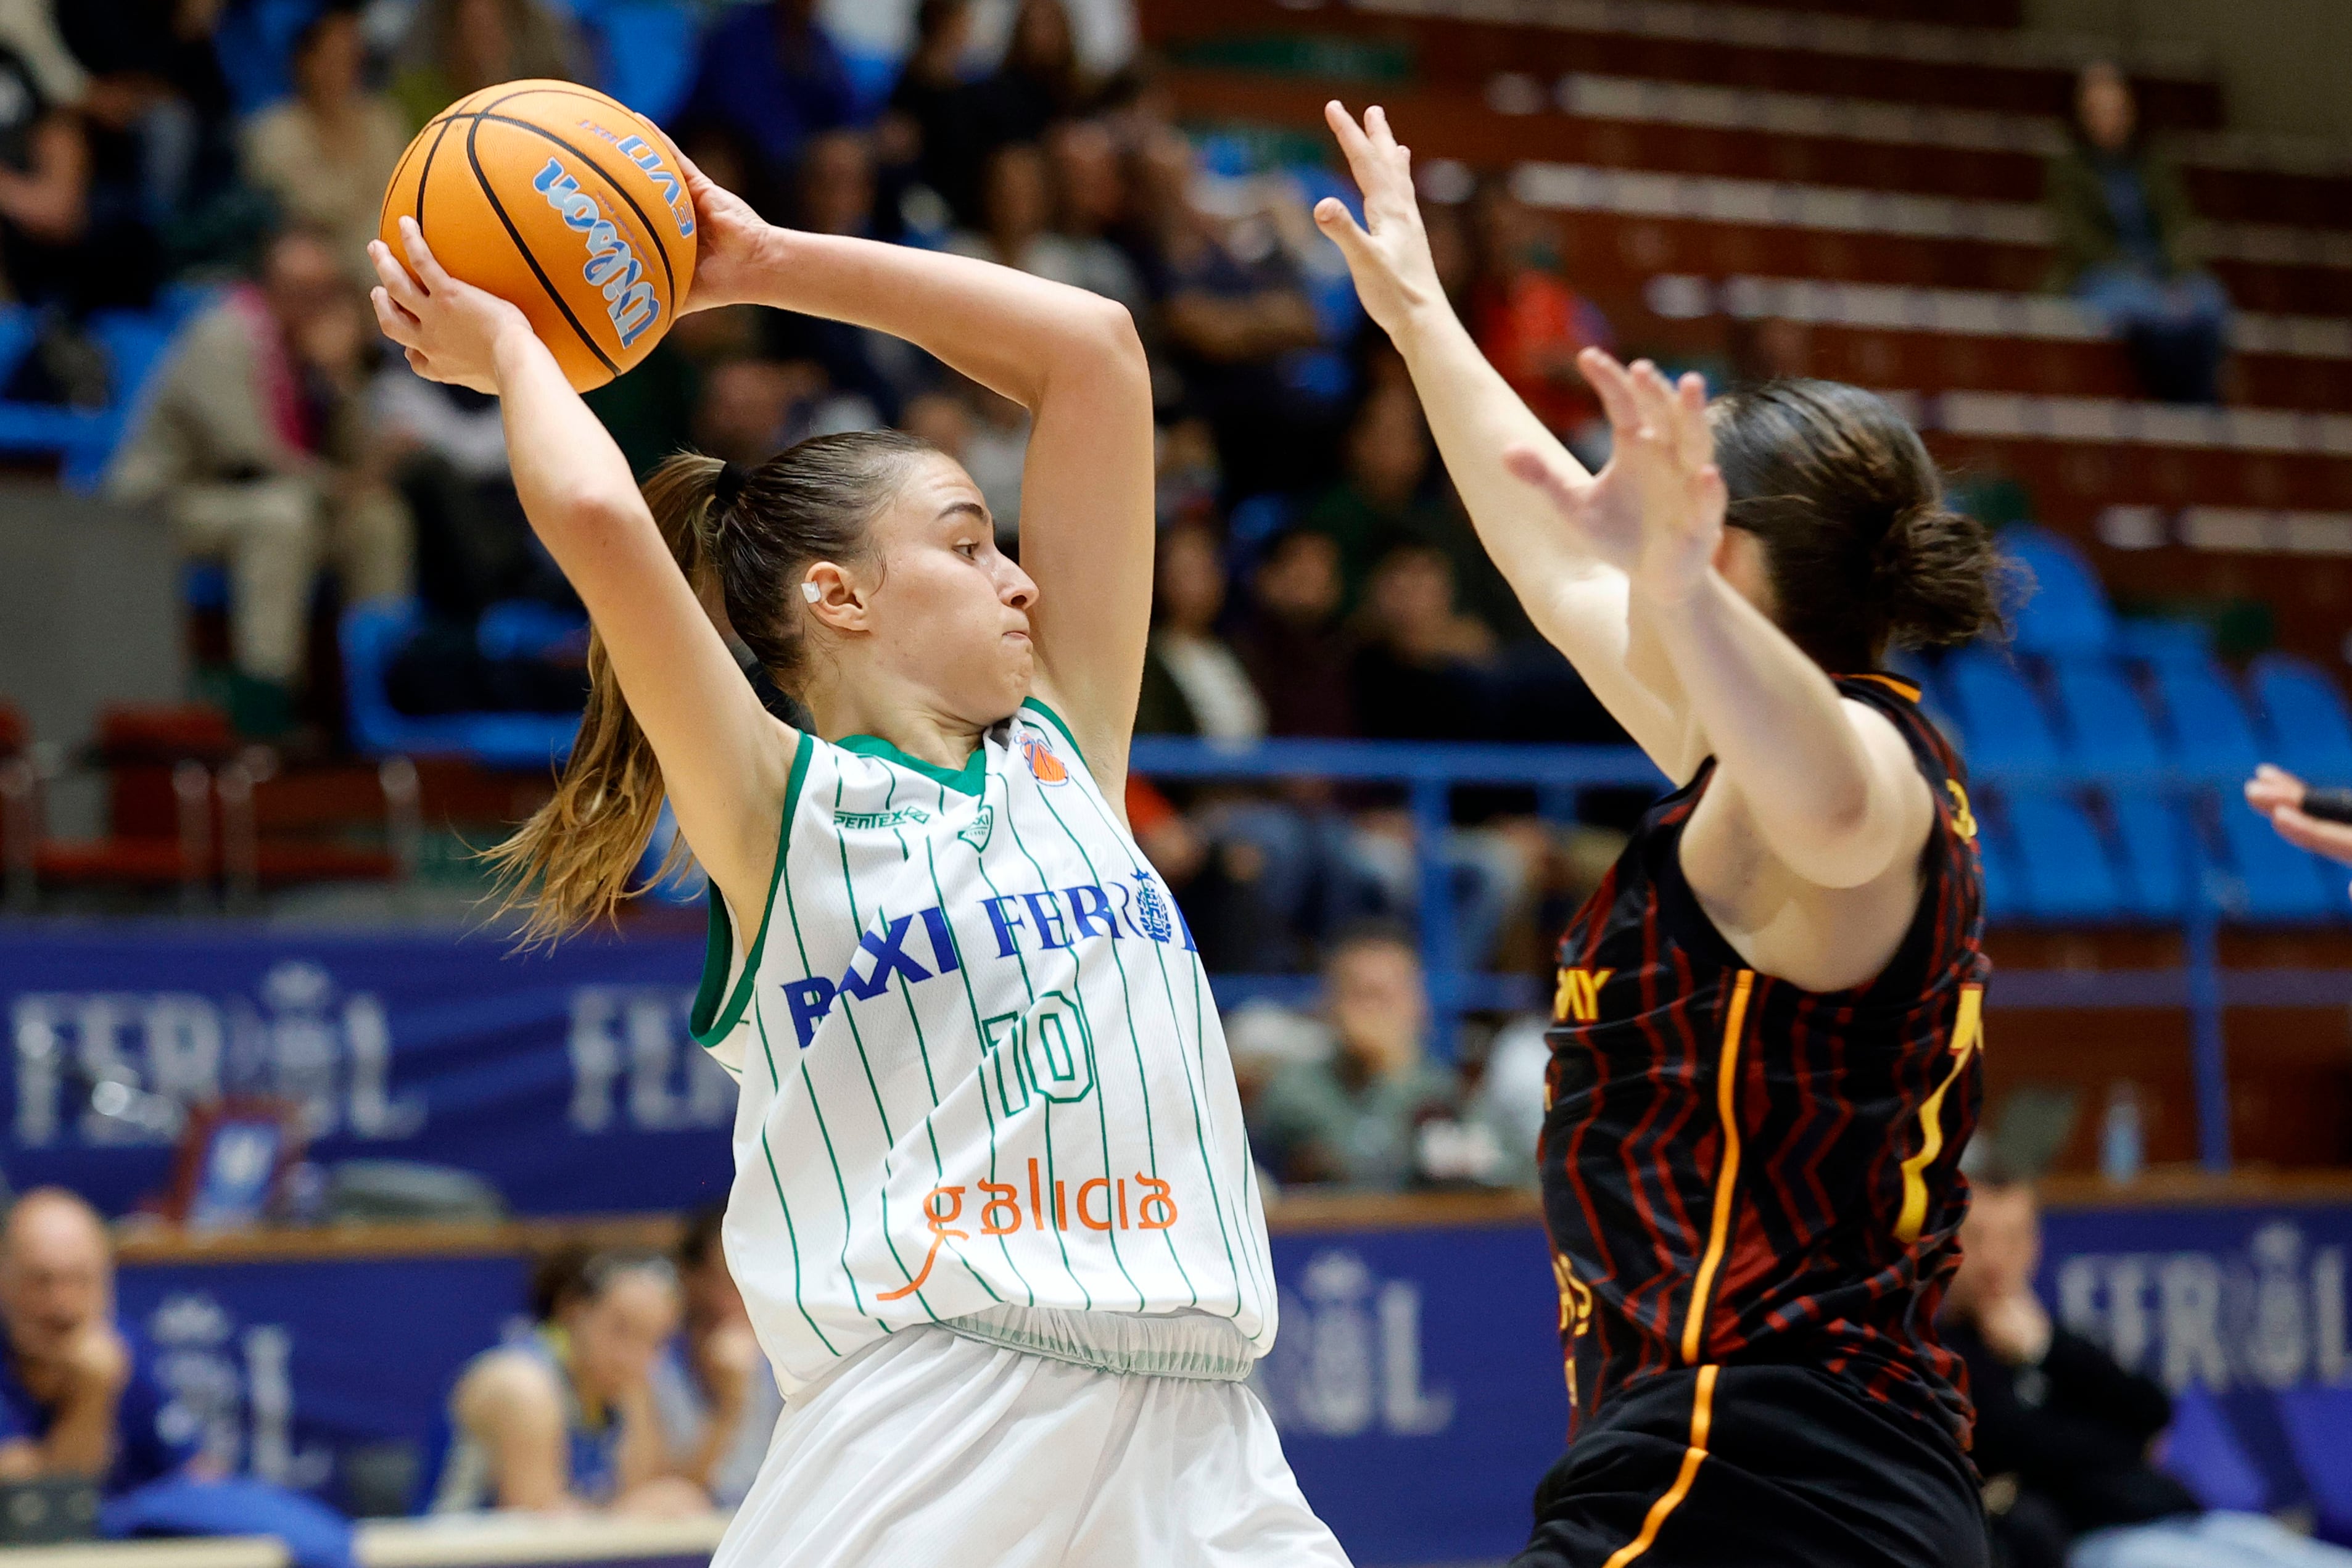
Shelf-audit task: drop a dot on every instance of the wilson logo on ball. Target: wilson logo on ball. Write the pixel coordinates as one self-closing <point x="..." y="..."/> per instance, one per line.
<point x="612" y="267"/>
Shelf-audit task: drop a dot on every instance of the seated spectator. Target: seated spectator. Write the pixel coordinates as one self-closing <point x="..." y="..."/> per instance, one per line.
<point x="457" y="46"/>
<point x="254" y="443"/>
<point x="1390" y="492"/>
<point x="1357" y="1116"/>
<point x="1090" y="203"/>
<point x="1226" y="322"/>
<point x="1037" y="82"/>
<point x="1419" y="668"/>
<point x="927" y="128"/>
<point x="563" y="1419"/>
<point x="79" y="1397"/>
<point x="2068" y="1429"/>
<point x="164" y="143"/>
<point x="1193" y="682"/>
<point x="1291" y="639"/>
<point x="1531" y="325"/>
<point x="987" y="434"/>
<point x="836" y="197"/>
<point x="2127" y="245"/>
<point x="713" y="1389"/>
<point x="1017" y="207"/>
<point x="326" y="155"/>
<point x="44" y="189"/>
<point x="769" y="74"/>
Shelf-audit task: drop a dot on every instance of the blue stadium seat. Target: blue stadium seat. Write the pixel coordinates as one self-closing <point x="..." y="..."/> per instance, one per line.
<point x="645" y="54"/>
<point x="2272" y="879"/>
<point x="2209" y="732"/>
<point x="2067" y="611"/>
<point x="2065" y="870"/>
<point x="525" y="628"/>
<point x="2318" y="1423"/>
<point x="2002" y="722"/>
<point x="2005" y="895"/>
<point x="2106" y="723"/>
<point x="374" y="632"/>
<point x="2300" y="709"/>
<point x="2202" y="1453"/>
<point x="2159" y="846"/>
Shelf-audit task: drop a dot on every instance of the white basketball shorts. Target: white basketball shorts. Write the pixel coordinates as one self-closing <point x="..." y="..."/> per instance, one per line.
<point x="932" y="1448"/>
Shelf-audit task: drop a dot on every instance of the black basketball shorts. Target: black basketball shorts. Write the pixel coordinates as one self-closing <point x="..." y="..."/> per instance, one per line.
<point x="1756" y="1467"/>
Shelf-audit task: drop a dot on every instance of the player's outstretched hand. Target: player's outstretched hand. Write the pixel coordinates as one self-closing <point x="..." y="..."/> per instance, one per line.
<point x="730" y="243"/>
<point x="451" y="329"/>
<point x="2278" y="794"/>
<point x="1656" y="511"/>
<point x="1389" y="253"/>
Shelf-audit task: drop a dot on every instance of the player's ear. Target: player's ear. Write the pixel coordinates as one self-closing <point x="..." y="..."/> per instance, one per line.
<point x="833" y="597"/>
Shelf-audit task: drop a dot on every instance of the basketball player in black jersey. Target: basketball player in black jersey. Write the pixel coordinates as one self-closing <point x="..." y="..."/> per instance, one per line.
<point x="1765" y="1042"/>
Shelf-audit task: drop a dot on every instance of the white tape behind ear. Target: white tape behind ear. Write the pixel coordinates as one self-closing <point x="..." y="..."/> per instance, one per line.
<point x="811" y="592"/>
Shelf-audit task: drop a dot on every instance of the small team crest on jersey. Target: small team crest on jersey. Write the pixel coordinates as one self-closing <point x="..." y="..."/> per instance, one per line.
<point x="975" y="832"/>
<point x="1044" y="765"/>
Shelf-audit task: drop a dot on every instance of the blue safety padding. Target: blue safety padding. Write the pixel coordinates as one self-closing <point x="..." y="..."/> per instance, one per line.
<point x="2067" y="611"/>
<point x="2202" y="1453"/>
<point x="2271" y="878"/>
<point x="2300" y="712"/>
<point x="2002" y="722"/>
<point x="374" y="632"/>
<point x="2318" y="1423"/>
<point x="2163" y="855"/>
<point x="2067" y="873"/>
<point x="2210" y="733"/>
<point x="2106" y="723"/>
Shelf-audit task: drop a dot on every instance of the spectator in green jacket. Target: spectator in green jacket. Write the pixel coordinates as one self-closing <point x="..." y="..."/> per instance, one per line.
<point x="2125" y="241"/>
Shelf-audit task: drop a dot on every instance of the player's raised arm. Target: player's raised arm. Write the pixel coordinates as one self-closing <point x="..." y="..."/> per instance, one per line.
<point x="1829" y="785"/>
<point x="723" y="759"/>
<point x="1561" y="567"/>
<point x="1071" y="358"/>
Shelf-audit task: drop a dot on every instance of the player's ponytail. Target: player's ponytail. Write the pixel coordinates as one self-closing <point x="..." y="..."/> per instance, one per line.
<point x="1863" y="551"/>
<point x="743" y="536"/>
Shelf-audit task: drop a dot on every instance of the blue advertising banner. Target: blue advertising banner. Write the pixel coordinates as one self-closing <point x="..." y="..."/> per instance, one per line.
<point x="566" y="1080"/>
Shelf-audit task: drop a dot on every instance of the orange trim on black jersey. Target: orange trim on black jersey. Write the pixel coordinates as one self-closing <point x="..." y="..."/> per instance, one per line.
<point x="1901" y="688"/>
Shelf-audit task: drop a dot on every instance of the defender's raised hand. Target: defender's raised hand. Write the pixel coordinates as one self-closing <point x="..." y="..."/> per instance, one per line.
<point x="1387" y="254"/>
<point x="1656" y="511"/>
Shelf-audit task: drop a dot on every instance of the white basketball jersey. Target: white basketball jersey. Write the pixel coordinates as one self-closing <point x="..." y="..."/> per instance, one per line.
<point x="979" y="1065"/>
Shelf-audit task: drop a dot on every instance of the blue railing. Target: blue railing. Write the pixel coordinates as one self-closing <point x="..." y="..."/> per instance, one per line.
<point x="1430" y="774"/>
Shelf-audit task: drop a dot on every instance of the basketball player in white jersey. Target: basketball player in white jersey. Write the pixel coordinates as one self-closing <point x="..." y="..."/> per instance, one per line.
<point x="993" y="1213"/>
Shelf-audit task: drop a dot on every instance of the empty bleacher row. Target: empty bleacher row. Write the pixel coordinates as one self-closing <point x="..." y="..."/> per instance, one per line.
<point x="1472" y="41"/>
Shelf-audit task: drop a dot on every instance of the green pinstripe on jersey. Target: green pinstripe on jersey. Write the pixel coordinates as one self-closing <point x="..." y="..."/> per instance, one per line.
<point x="955" y="964"/>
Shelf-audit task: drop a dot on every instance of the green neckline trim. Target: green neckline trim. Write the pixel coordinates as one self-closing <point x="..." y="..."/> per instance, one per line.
<point x="718" y="946"/>
<point x="1058" y="724"/>
<point x="969" y="779"/>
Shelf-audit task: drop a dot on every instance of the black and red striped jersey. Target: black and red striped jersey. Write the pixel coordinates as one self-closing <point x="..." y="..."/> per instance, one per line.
<point x="1737" y="1170"/>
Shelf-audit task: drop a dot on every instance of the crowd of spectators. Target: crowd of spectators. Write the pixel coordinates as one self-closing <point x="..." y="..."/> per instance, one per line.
<point x="1317" y="576"/>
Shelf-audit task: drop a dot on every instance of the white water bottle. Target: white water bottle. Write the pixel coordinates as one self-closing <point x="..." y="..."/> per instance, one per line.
<point x="2123" y="1147"/>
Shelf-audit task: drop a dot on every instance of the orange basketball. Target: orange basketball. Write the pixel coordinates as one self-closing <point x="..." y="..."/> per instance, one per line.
<point x="563" y="201"/>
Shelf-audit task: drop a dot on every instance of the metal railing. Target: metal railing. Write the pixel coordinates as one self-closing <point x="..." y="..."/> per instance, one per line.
<point x="1431" y="773"/>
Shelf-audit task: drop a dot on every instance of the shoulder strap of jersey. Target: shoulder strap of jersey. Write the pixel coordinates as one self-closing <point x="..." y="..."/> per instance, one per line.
<point x="1898" y="698"/>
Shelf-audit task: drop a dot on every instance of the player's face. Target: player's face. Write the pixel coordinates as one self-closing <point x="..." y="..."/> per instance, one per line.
<point x="615" y="1338"/>
<point x="949" y="612"/>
